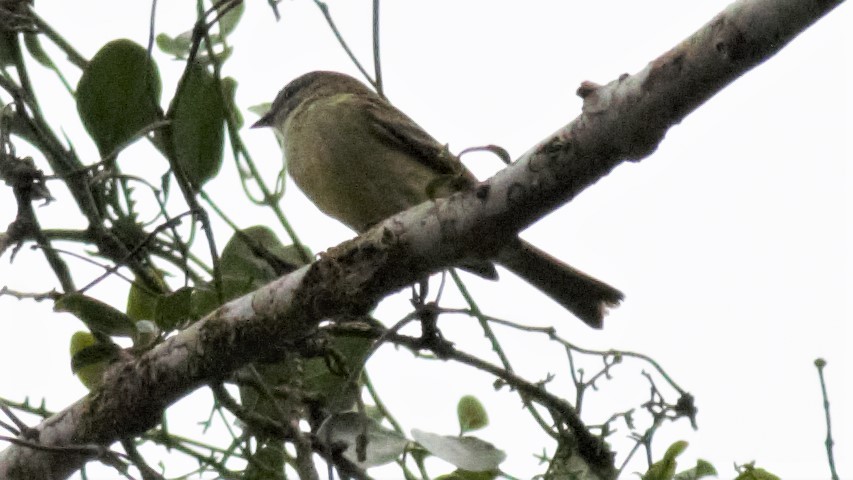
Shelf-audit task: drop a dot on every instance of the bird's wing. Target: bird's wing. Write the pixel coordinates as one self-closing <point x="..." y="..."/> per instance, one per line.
<point x="400" y="131"/>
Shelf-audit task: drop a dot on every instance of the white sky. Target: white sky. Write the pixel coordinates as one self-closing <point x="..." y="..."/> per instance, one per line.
<point x="731" y="242"/>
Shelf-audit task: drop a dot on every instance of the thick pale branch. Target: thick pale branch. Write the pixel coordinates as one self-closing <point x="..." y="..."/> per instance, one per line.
<point x="623" y="120"/>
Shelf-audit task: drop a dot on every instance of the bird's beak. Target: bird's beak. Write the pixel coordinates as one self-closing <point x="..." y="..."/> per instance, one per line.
<point x="265" y="121"/>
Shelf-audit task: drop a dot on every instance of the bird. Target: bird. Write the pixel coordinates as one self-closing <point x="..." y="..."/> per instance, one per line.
<point x="360" y="160"/>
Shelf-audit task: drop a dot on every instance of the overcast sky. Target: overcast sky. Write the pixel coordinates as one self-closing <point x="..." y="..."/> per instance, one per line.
<point x="731" y="242"/>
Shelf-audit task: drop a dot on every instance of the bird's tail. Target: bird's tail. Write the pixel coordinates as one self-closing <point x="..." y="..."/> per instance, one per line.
<point x="584" y="296"/>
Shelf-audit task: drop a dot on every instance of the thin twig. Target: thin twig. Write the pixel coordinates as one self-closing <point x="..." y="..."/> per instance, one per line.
<point x="325" y="9"/>
<point x="820" y="364"/>
<point x="496" y="347"/>
<point x="380" y="405"/>
<point x="20" y="426"/>
<point x="73" y="55"/>
<point x="86" y="450"/>
<point x="238" y="148"/>
<point x="377" y="61"/>
<point x="139" y="462"/>
<point x="552" y="333"/>
<point x="597" y="453"/>
<point x="148" y="238"/>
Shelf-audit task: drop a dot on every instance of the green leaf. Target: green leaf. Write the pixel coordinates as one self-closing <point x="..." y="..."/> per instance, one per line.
<point x="267" y="463"/>
<point x="234" y="284"/>
<point x="8" y="45"/>
<point x="664" y="469"/>
<point x="332" y="387"/>
<point x="329" y="390"/>
<point x="229" y="84"/>
<point x="31" y="40"/>
<point x="467" y="453"/>
<point x="704" y="468"/>
<point x="260" y="109"/>
<point x="205" y="298"/>
<point x="468" y="475"/>
<point x="661" y="470"/>
<point x="141" y="304"/>
<point x="219" y="57"/>
<point x="90" y="358"/>
<point x="701" y="470"/>
<point x="165" y="185"/>
<point x="383" y="445"/>
<point x="676" y="449"/>
<point x="198" y="117"/>
<point x="118" y="95"/>
<point x="750" y="472"/>
<point x="256" y="253"/>
<point x="243" y="255"/>
<point x="471" y="414"/>
<point x="229" y="21"/>
<point x="97" y="315"/>
<point x="178" y="46"/>
<point x="275" y="375"/>
<point x="174" y="309"/>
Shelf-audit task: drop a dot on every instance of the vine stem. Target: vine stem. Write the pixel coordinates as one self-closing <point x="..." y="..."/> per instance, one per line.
<point x="820" y="364"/>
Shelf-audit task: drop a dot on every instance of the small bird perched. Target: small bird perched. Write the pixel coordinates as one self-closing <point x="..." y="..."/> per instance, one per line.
<point x="361" y="160"/>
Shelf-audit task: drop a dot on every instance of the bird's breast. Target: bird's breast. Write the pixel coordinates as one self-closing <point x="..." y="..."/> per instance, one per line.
<point x="337" y="160"/>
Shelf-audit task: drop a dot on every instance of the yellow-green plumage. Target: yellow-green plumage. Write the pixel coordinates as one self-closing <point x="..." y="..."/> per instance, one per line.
<point x="338" y="127"/>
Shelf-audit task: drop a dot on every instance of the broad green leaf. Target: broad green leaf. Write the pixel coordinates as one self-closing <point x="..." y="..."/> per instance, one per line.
<point x="383" y="445"/>
<point x="664" y="469"/>
<point x="468" y="475"/>
<point x="750" y="472"/>
<point x="332" y="387"/>
<point x="229" y="21"/>
<point x="205" y="299"/>
<point x="704" y="468"/>
<point x="198" y="118"/>
<point x="676" y="449"/>
<point x="329" y="390"/>
<point x="178" y="46"/>
<point x="90" y="358"/>
<point x="467" y="453"/>
<point x="280" y="374"/>
<point x="129" y="231"/>
<point x="374" y="413"/>
<point x="260" y="109"/>
<point x="97" y="315"/>
<point x="118" y="95"/>
<point x="701" y="470"/>
<point x="141" y="304"/>
<point x="267" y="463"/>
<point x="229" y="84"/>
<point x="257" y="253"/>
<point x="174" y="309"/>
<point x="219" y="57"/>
<point x="8" y="45"/>
<point x="181" y="45"/>
<point x="661" y="470"/>
<point x="165" y="185"/>
<point x="243" y="255"/>
<point x="471" y="414"/>
<point x="31" y="40"/>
